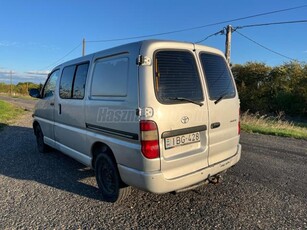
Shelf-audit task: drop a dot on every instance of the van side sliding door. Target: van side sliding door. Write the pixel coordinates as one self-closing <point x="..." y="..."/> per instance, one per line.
<point x="69" y="110"/>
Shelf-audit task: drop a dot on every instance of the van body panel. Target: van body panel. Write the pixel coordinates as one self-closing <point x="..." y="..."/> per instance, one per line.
<point x="45" y="112"/>
<point x="224" y="115"/>
<point x="79" y="156"/>
<point x="144" y="81"/>
<point x="157" y="183"/>
<point x="70" y="122"/>
<point x="113" y="118"/>
<point x="223" y="139"/>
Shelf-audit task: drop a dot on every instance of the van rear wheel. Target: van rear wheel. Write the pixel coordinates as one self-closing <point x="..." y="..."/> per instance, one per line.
<point x="108" y="179"/>
<point x="41" y="146"/>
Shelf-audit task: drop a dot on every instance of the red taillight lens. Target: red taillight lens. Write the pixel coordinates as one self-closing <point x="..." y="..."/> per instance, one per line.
<point x="149" y="139"/>
<point x="148" y="125"/>
<point x="150" y="149"/>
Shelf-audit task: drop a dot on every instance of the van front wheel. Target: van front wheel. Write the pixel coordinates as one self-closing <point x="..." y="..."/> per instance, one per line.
<point x="41" y="146"/>
<point x="108" y="179"/>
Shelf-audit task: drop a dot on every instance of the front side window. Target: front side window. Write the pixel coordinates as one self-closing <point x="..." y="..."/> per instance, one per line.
<point x="79" y="83"/>
<point x="50" y="85"/>
<point x="218" y="77"/>
<point x="176" y="77"/>
<point x="72" y="84"/>
<point x="66" y="82"/>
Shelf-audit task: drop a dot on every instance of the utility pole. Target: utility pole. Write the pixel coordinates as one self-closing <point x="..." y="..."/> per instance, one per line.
<point x="228" y="43"/>
<point x="83" y="47"/>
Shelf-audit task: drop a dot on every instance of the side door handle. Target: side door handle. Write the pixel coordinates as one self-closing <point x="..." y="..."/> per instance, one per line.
<point x="52" y="103"/>
<point x="60" y="109"/>
<point x="215" y="125"/>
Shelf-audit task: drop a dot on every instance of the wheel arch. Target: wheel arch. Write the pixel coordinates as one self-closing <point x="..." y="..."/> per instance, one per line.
<point x="101" y="148"/>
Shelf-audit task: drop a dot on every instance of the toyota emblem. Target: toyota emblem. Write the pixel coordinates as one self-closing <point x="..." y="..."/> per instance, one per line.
<point x="184" y="120"/>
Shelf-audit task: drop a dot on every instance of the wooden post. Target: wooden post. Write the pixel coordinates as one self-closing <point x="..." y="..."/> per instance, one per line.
<point x="228" y="43"/>
<point x="83" y="47"/>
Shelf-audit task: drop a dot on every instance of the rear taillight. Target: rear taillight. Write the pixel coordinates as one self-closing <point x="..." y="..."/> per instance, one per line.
<point x="149" y="139"/>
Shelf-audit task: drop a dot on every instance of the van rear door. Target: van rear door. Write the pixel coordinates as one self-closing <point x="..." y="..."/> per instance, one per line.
<point x="179" y="109"/>
<point x="223" y="106"/>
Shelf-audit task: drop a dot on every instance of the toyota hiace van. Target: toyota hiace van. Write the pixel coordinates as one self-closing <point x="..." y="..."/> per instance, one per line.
<point x="161" y="116"/>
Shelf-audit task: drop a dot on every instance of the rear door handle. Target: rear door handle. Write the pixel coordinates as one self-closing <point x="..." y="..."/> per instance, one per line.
<point x="215" y="125"/>
<point x="52" y="103"/>
<point x="60" y="109"/>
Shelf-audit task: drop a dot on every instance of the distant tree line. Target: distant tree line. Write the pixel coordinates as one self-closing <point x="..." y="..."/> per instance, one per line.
<point x="271" y="90"/>
<point x="22" y="88"/>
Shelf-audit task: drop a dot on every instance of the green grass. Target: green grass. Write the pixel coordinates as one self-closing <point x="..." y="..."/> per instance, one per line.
<point x="8" y="113"/>
<point x="254" y="123"/>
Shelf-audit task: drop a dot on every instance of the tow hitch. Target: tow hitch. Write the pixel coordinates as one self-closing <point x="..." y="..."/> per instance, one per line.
<point x="215" y="179"/>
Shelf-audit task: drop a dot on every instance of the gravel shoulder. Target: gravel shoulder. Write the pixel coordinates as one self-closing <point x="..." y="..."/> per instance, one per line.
<point x="267" y="189"/>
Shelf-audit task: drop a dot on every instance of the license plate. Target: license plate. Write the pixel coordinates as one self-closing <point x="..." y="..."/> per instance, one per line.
<point x="185" y="139"/>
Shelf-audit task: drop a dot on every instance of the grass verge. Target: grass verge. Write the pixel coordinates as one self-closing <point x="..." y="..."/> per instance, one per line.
<point x="254" y="123"/>
<point x="8" y="113"/>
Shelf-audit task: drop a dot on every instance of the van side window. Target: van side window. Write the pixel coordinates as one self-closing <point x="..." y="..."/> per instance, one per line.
<point x="50" y="85"/>
<point x="176" y="76"/>
<point x="66" y="82"/>
<point x="72" y="84"/>
<point x="110" y="77"/>
<point x="79" y="82"/>
<point x="218" y="78"/>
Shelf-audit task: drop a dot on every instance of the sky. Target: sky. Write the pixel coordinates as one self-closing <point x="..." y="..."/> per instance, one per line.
<point x="36" y="35"/>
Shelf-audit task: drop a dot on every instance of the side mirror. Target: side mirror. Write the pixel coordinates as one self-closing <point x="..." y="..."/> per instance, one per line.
<point x="35" y="93"/>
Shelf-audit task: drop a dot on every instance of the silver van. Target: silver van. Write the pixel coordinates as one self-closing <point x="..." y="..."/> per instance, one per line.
<point x="161" y="116"/>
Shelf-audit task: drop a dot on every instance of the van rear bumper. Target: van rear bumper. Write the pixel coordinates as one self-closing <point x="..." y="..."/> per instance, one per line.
<point x="155" y="182"/>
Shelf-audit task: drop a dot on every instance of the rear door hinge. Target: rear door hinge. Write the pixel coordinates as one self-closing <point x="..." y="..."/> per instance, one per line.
<point x="143" y="60"/>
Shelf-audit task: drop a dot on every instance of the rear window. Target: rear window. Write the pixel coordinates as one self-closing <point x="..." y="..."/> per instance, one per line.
<point x="176" y="76"/>
<point x="218" y="78"/>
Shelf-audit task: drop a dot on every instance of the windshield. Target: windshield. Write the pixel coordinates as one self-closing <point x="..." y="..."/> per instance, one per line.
<point x="176" y="77"/>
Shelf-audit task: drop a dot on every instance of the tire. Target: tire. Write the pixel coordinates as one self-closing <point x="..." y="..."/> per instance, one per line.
<point x="108" y="179"/>
<point x="41" y="146"/>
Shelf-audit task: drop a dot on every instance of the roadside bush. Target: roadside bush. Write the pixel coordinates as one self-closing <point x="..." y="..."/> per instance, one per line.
<point x="270" y="90"/>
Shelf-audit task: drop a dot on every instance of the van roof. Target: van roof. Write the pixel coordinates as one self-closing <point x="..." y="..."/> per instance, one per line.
<point x="139" y="44"/>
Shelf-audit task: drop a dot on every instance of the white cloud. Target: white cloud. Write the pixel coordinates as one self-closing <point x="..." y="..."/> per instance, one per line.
<point x="38" y="72"/>
<point x="17" y="77"/>
<point x="7" y="72"/>
<point x="8" y="43"/>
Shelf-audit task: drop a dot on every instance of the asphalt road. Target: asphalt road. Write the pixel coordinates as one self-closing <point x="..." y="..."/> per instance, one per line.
<point x="266" y="190"/>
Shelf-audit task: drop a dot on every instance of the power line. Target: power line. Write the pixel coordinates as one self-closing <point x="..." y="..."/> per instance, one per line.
<point x="257" y="43"/>
<point x="183" y="30"/>
<point x="222" y="32"/>
<point x="60" y="59"/>
<point x="200" y="27"/>
<point x="270" y="24"/>
<point x="211" y="35"/>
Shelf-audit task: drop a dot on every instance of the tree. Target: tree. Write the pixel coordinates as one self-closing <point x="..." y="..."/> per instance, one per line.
<point x="267" y="89"/>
